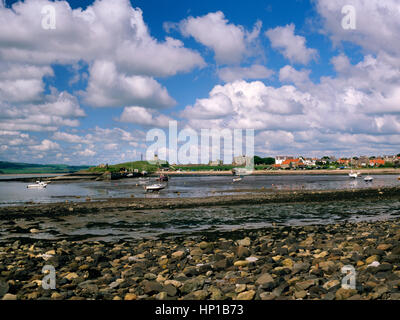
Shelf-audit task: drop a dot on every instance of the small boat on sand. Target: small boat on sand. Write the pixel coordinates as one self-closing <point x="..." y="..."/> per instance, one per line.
<point x="368" y="179"/>
<point x="354" y="175"/>
<point x="37" y="185"/>
<point x="154" y="187"/>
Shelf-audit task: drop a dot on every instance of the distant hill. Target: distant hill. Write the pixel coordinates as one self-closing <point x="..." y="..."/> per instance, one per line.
<point x="15" y="167"/>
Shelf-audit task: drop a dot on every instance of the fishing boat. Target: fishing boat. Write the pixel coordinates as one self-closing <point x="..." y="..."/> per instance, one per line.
<point x="154" y="187"/>
<point x="37" y="185"/>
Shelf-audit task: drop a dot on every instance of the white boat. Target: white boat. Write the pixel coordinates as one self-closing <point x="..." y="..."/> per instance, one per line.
<point x="368" y="179"/>
<point x="37" y="185"/>
<point x="237" y="179"/>
<point x="354" y="175"/>
<point x="154" y="187"/>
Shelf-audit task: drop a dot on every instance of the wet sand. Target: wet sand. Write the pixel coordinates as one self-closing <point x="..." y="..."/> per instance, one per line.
<point x="260" y="197"/>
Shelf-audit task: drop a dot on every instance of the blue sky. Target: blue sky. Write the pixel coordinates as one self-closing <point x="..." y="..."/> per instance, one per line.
<point x="88" y="90"/>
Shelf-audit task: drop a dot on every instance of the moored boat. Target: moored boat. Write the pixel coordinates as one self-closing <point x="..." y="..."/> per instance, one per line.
<point x="154" y="187"/>
<point x="353" y="175"/>
<point x="368" y="179"/>
<point x="37" y="185"/>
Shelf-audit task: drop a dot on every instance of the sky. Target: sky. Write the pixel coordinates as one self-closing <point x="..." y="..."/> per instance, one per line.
<point x="84" y="82"/>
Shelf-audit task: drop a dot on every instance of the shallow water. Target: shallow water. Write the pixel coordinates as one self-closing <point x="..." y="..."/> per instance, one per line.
<point x="13" y="193"/>
<point x="113" y="226"/>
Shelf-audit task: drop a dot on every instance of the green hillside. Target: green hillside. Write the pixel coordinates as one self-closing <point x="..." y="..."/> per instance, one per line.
<point x="18" y="168"/>
<point x="130" y="166"/>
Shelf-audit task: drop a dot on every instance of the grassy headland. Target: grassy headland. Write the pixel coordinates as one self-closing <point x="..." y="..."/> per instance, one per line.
<point x="26" y="168"/>
<point x="129" y="166"/>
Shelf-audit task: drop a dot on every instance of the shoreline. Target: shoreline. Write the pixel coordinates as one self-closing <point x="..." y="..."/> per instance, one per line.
<point x="278" y="263"/>
<point x="378" y="171"/>
<point x="92" y="176"/>
<point x="132" y="204"/>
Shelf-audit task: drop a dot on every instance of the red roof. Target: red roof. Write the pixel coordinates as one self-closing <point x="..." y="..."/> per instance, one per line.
<point x="377" y="161"/>
<point x="289" y="161"/>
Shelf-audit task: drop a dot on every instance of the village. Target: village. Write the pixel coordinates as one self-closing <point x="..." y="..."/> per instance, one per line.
<point x="289" y="162"/>
<point x="326" y="162"/>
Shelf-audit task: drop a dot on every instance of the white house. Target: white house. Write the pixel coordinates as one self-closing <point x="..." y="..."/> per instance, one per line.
<point x="309" y="161"/>
<point x="280" y="159"/>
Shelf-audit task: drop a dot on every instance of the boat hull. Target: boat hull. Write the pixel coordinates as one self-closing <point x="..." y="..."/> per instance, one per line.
<point x="154" y="188"/>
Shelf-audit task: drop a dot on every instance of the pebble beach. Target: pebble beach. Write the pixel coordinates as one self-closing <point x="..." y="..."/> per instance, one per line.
<point x="276" y="263"/>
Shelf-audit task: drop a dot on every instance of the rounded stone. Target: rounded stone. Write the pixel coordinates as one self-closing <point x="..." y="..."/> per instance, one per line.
<point x="130" y="296"/>
<point x="247" y="295"/>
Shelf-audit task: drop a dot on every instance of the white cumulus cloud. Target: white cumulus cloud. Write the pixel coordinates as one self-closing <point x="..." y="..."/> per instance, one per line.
<point x="229" y="42"/>
<point x="293" y="47"/>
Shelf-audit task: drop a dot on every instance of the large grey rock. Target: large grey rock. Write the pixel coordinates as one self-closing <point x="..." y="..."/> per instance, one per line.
<point x="3" y="288"/>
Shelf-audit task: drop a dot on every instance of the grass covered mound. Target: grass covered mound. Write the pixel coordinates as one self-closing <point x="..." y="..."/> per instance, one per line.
<point x="130" y="166"/>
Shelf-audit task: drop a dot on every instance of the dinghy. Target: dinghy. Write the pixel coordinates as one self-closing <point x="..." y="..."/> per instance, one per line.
<point x="154" y="187"/>
<point x="37" y="185"/>
<point x="368" y="179"/>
